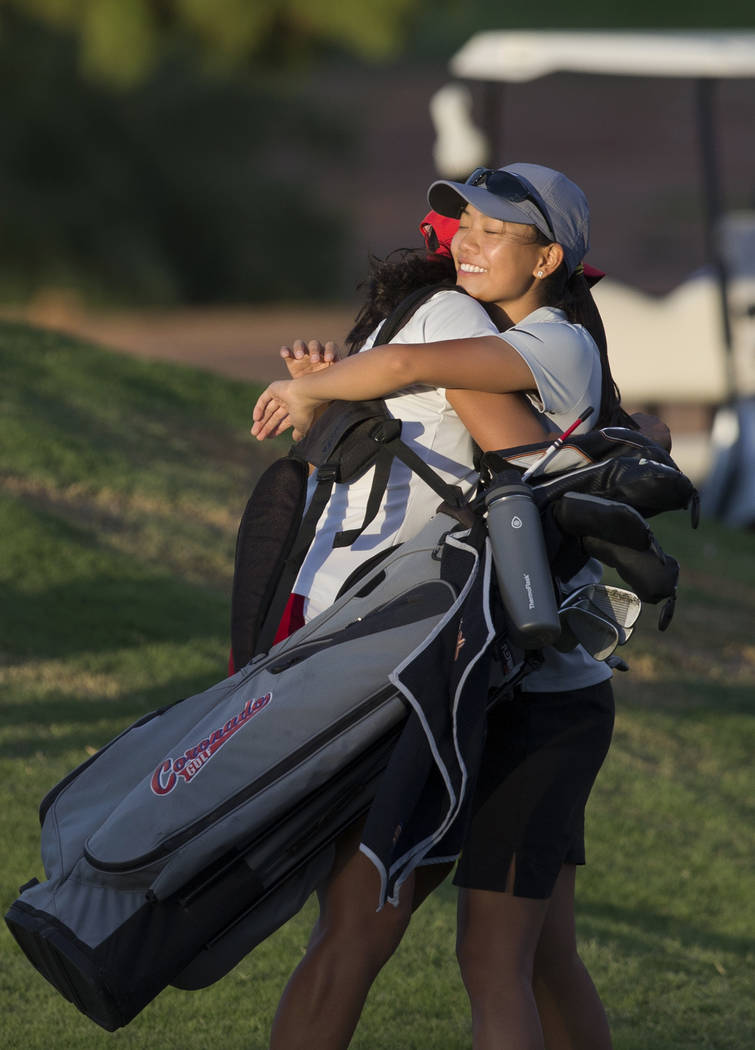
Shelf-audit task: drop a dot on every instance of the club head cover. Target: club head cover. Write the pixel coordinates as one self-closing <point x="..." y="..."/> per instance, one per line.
<point x="616" y="663"/>
<point x="651" y="574"/>
<point x="580" y="514"/>
<point x="651" y="488"/>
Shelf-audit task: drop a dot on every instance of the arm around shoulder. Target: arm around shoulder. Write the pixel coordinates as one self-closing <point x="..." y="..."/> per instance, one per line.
<point x="480" y="363"/>
<point x="484" y="364"/>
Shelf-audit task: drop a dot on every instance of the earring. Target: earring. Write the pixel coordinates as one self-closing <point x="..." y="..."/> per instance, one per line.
<point x="539" y="273"/>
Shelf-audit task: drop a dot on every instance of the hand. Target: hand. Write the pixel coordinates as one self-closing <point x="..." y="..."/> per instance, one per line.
<point x="304" y="358"/>
<point x="282" y="406"/>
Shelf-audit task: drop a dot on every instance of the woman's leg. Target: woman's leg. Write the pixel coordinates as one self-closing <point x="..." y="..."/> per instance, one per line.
<point x="571" y="1012"/>
<point x="349" y="945"/>
<point x="497" y="939"/>
<point x="542" y="755"/>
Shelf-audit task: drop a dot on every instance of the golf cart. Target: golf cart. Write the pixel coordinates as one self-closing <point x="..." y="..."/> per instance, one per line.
<point x="717" y="306"/>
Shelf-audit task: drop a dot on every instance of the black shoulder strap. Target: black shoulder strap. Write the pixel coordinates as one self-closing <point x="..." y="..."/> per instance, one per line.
<point x="387" y="436"/>
<point x="406" y="309"/>
<point x="326" y="477"/>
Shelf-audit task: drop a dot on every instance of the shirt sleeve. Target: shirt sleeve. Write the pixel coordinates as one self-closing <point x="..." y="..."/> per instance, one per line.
<point x="564" y="362"/>
<point x="452" y="315"/>
<point x="447" y="315"/>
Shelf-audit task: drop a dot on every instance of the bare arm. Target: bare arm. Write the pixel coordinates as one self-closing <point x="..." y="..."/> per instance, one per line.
<point x="496" y="421"/>
<point x="482" y="363"/>
<point x="485" y="363"/>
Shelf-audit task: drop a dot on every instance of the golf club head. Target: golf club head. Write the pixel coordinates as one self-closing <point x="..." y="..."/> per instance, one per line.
<point x="615" y="603"/>
<point x="596" y="634"/>
<point x="625" y="633"/>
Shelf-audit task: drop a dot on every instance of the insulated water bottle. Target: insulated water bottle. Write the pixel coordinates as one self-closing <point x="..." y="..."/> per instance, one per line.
<point x="521" y="562"/>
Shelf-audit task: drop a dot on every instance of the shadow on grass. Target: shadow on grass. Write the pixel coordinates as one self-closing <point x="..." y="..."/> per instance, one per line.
<point x="67" y="593"/>
<point x="687" y="697"/>
<point x="635" y="931"/>
<point x="104" y="612"/>
<point x="107" y="442"/>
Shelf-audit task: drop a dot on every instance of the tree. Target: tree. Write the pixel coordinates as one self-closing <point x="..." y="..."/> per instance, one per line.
<point x="122" y="41"/>
<point x="170" y="190"/>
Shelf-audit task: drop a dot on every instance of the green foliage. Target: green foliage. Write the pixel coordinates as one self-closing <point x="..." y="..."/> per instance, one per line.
<point x="121" y="41"/>
<point x="121" y="483"/>
<point x="182" y="189"/>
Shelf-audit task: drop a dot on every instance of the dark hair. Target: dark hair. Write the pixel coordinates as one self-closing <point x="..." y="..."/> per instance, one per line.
<point x="571" y="293"/>
<point x="389" y="281"/>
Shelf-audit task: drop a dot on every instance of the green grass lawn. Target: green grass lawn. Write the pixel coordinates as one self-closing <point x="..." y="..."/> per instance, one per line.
<point x="121" y="485"/>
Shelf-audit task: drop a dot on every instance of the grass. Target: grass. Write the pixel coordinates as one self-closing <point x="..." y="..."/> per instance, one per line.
<point x="121" y="485"/>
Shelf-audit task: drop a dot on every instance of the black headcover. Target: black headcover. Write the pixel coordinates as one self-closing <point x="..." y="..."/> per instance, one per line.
<point x="618" y="536"/>
<point x="594" y="496"/>
<point x="651" y="573"/>
<point x="614" y="463"/>
<point x="579" y="514"/>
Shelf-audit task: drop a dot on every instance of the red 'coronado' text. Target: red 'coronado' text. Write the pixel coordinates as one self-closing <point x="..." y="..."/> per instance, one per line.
<point x="167" y="774"/>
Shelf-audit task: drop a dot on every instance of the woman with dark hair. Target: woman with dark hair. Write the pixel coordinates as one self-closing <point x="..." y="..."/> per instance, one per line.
<point x="523" y="231"/>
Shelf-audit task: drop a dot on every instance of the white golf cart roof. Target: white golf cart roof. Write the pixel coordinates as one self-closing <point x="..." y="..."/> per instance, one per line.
<point x="519" y="55"/>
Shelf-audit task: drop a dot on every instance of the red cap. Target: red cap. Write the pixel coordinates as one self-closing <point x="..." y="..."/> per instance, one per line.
<point x="592" y="276"/>
<point x="438" y="231"/>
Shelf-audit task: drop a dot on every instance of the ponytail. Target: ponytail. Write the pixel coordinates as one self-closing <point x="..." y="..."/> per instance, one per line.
<point x="572" y="295"/>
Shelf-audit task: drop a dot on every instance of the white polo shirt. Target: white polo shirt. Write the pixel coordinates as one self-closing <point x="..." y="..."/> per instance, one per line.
<point x="430" y="428"/>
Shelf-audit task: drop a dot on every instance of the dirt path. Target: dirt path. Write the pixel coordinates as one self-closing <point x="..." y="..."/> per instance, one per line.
<point x="242" y="343"/>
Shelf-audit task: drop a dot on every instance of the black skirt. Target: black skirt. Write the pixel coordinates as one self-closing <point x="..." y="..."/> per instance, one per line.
<point x="542" y="754"/>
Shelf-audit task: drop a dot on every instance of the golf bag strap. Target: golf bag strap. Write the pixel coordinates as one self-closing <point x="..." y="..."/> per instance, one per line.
<point x="452" y="494"/>
<point x="383" y="463"/>
<point x="386" y="433"/>
<point x="405" y="310"/>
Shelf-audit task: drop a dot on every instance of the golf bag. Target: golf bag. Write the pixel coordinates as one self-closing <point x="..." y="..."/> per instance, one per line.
<point x="210" y="820"/>
<point x="200" y="829"/>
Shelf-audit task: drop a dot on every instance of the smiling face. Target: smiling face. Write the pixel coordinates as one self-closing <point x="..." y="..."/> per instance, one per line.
<point x="498" y="262"/>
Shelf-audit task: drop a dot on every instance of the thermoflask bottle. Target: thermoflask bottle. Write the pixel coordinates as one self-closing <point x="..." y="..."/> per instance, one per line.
<point x="521" y="562"/>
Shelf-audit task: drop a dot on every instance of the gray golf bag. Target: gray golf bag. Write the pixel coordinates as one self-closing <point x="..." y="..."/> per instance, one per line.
<point x="200" y="829"/>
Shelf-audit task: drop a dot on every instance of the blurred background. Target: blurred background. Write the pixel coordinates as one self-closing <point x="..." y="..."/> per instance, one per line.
<point x="187" y="178"/>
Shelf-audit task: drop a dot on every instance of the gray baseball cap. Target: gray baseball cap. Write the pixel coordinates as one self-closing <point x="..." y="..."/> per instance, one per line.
<point x="526" y="193"/>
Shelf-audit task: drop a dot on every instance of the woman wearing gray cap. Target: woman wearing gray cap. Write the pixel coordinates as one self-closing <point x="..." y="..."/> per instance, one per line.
<point x="523" y="233"/>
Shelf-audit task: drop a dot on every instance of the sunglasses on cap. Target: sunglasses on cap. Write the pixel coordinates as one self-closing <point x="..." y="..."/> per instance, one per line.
<point x="508" y="186"/>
